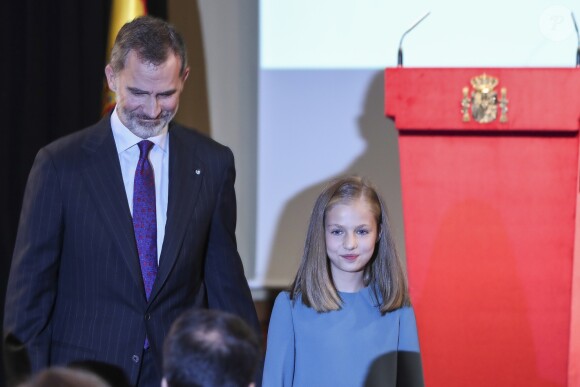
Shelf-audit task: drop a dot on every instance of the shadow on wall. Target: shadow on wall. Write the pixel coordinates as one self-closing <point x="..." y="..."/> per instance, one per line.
<point x="379" y="162"/>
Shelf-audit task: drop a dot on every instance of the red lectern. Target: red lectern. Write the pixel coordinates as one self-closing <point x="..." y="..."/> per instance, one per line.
<point x="489" y="175"/>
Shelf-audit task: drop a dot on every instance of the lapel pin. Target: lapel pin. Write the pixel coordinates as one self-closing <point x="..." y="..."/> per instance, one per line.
<point x="197" y="171"/>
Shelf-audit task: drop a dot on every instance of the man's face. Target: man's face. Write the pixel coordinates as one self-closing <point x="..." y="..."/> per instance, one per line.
<point x="147" y="95"/>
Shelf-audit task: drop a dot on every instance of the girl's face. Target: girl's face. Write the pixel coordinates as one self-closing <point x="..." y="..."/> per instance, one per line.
<point x="351" y="232"/>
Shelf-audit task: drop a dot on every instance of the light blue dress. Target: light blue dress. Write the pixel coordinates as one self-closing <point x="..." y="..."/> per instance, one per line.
<point x="310" y="349"/>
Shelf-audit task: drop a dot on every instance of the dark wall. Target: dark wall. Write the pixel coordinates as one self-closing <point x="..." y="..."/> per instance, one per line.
<point x="53" y="56"/>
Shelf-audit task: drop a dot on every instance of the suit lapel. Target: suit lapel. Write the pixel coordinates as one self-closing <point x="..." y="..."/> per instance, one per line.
<point x="102" y="175"/>
<point x="186" y="172"/>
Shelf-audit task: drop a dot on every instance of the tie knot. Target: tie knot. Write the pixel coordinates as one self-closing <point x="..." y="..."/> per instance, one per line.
<point x="144" y="147"/>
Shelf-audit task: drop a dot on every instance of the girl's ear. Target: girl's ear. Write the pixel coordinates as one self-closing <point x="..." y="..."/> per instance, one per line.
<point x="380" y="233"/>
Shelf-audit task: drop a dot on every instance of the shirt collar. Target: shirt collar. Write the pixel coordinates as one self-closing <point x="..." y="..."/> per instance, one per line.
<point x="125" y="139"/>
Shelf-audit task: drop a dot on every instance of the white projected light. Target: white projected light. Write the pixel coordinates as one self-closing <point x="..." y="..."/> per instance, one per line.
<point x="365" y="33"/>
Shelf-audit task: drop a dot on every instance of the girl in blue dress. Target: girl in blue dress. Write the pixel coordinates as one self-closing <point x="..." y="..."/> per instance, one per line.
<point x="346" y="319"/>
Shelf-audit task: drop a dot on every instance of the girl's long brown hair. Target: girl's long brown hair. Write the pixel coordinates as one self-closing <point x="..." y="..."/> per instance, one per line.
<point x="385" y="272"/>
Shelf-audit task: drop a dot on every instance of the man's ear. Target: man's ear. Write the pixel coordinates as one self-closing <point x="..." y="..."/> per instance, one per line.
<point x="111" y="79"/>
<point x="164" y="383"/>
<point x="185" y="75"/>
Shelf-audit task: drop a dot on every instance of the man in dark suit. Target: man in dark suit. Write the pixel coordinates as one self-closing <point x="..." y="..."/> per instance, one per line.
<point x="124" y="225"/>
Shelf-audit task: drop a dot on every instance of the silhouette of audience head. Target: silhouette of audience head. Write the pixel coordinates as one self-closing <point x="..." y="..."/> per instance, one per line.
<point x="112" y="374"/>
<point x="210" y="348"/>
<point x="64" y="377"/>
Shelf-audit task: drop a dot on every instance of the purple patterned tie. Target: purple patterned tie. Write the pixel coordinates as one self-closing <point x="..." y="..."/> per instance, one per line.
<point x="144" y="218"/>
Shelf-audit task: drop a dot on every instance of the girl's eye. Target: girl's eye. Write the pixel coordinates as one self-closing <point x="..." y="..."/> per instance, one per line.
<point x="335" y="232"/>
<point x="363" y="231"/>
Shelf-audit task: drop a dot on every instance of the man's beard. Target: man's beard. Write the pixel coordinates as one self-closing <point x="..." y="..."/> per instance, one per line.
<point x="145" y="127"/>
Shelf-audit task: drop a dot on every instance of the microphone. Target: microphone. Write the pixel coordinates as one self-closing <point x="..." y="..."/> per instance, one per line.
<point x="578" y="36"/>
<point x="400" y="53"/>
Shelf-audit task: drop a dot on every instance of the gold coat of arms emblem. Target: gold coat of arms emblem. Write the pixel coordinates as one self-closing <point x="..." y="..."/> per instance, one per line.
<point x="483" y="102"/>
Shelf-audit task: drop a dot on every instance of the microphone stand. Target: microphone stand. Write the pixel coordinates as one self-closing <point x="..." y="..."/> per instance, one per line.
<point x="400" y="53"/>
<point x="578" y="36"/>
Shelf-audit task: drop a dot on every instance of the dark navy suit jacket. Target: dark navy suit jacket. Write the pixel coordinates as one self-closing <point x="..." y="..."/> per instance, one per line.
<point x="75" y="289"/>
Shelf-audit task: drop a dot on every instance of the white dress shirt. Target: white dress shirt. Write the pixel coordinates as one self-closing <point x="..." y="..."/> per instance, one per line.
<point x="128" y="152"/>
